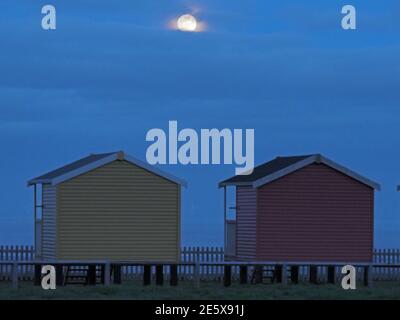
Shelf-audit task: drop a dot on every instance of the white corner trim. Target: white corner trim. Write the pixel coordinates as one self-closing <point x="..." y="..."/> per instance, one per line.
<point x="350" y="173"/>
<point x="155" y="170"/>
<point x="285" y="171"/>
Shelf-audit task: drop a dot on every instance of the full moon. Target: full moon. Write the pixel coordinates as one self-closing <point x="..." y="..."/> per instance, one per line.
<point x="187" y="23"/>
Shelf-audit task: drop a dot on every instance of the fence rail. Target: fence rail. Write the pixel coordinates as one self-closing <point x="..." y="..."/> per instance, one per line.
<point x="194" y="254"/>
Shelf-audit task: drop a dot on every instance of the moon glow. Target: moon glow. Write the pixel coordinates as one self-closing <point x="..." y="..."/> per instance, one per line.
<point x="187" y="23"/>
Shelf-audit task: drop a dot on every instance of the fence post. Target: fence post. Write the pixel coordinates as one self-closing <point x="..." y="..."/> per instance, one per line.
<point x="15" y="275"/>
<point x="197" y="275"/>
<point x="368" y="270"/>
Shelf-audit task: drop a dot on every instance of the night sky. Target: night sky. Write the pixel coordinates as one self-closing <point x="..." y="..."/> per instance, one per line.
<point x="114" y="70"/>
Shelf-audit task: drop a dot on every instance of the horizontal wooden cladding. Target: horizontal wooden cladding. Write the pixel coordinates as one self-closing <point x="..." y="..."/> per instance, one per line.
<point x="49" y="196"/>
<point x="246" y="222"/>
<point x="119" y="212"/>
<point x="315" y="214"/>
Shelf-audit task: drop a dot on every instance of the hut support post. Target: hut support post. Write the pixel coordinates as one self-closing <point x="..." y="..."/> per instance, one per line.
<point x="331" y="274"/>
<point x="284" y="274"/>
<point x="38" y="275"/>
<point x="117" y="274"/>
<point x="225" y="216"/>
<point x="258" y="275"/>
<point x="34" y="220"/>
<point x="278" y="273"/>
<point x="102" y="275"/>
<point x="313" y="274"/>
<point x="159" y="275"/>
<point x="243" y="274"/>
<point x="227" y="276"/>
<point x="146" y="275"/>
<point x="91" y="276"/>
<point x="107" y="272"/>
<point x="174" y="275"/>
<point x="294" y="274"/>
<point x="59" y="275"/>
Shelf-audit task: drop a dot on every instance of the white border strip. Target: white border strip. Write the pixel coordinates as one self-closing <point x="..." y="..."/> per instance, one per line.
<point x="284" y="172"/>
<point x="350" y="173"/>
<point x="155" y="170"/>
<point x="77" y="172"/>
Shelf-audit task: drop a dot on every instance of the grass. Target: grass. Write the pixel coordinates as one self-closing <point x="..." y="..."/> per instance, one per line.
<point x="207" y="290"/>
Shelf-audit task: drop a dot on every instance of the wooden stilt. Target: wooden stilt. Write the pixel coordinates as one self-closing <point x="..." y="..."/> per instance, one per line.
<point x="159" y="275"/>
<point x="174" y="275"/>
<point x="313" y="274"/>
<point x="257" y="275"/>
<point x="294" y="274"/>
<point x="107" y="273"/>
<point x="243" y="274"/>
<point x="146" y="275"/>
<point x="38" y="275"/>
<point x="331" y="274"/>
<point x="91" y="275"/>
<point x="117" y="274"/>
<point x="59" y="275"/>
<point x="278" y="273"/>
<point x="102" y="273"/>
<point x="284" y="274"/>
<point x="227" y="276"/>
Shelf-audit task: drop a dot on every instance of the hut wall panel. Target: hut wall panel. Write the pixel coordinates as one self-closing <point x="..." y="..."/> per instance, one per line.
<point x="246" y="222"/>
<point x="315" y="214"/>
<point x="119" y="212"/>
<point x="49" y="196"/>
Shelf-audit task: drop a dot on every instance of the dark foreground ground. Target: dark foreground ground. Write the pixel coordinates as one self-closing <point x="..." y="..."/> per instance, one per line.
<point x="207" y="290"/>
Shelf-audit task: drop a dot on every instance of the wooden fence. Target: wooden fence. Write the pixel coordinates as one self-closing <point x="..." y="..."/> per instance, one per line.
<point x="17" y="253"/>
<point x="196" y="254"/>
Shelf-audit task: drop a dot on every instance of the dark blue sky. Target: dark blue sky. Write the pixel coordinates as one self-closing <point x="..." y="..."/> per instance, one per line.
<point x="113" y="70"/>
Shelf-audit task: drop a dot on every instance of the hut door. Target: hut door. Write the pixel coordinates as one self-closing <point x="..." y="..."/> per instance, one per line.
<point x="230" y="246"/>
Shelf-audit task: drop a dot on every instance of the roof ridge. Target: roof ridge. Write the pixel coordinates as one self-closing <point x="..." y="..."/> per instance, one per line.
<point x="281" y="166"/>
<point x="93" y="161"/>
